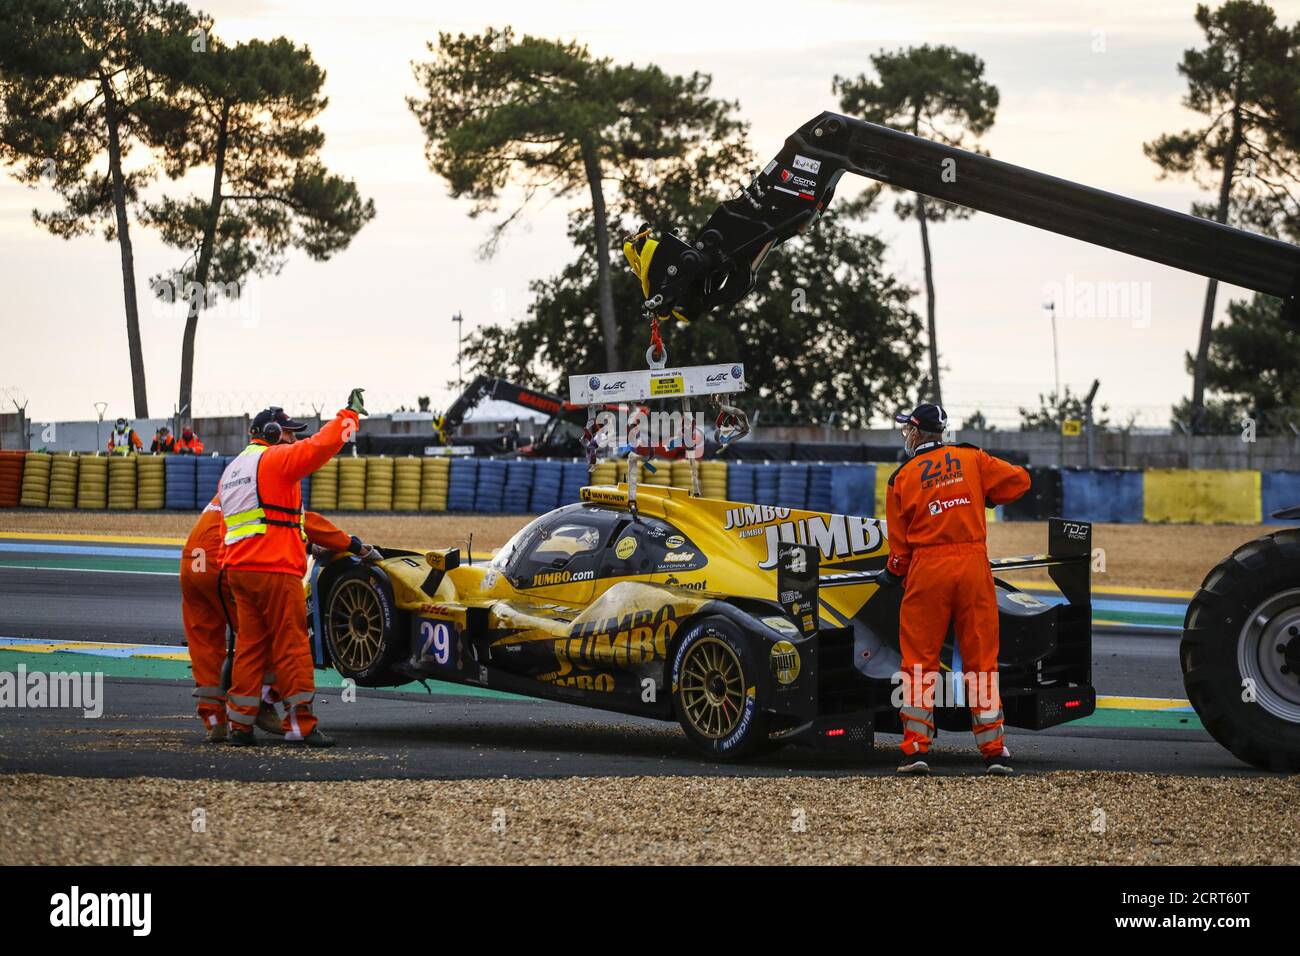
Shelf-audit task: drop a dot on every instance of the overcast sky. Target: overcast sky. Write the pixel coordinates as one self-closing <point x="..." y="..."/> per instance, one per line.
<point x="1082" y="85"/>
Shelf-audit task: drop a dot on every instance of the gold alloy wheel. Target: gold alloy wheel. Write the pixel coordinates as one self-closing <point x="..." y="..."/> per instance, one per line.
<point x="712" y="688"/>
<point x="356" y="624"/>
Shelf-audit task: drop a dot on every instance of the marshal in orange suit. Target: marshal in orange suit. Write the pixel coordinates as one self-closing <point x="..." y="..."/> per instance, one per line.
<point x="937" y="552"/>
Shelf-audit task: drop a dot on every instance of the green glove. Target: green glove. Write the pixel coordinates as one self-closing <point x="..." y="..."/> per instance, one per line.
<point x="354" y="401"/>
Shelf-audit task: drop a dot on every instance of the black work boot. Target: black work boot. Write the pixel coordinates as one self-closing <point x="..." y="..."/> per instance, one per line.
<point x="914" y="764"/>
<point x="241" y="738"/>
<point x="313" y="739"/>
<point x="999" y="765"/>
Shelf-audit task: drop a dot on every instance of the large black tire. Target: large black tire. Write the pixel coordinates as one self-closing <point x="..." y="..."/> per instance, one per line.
<point x="1240" y="652"/>
<point x="365" y="632"/>
<point x="716" y="687"/>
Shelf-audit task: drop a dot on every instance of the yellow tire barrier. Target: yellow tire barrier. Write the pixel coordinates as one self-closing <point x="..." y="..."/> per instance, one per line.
<point x="713" y="479"/>
<point x="1201" y="497"/>
<point x="150" y="483"/>
<point x="121" y="482"/>
<point x="606" y="473"/>
<point x="35" y="490"/>
<point x="63" y="482"/>
<point x="407" y="482"/>
<point x="379" y="484"/>
<point x="435" y="479"/>
<point x="325" y="487"/>
<point x="352" y="484"/>
<point x="92" y="483"/>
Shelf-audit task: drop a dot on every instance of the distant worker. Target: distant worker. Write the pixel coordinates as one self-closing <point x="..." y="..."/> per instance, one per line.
<point x="264" y="558"/>
<point x="188" y="443"/>
<point x="163" y="442"/>
<point x="938" y="553"/>
<point x="208" y="609"/>
<point x="123" y="440"/>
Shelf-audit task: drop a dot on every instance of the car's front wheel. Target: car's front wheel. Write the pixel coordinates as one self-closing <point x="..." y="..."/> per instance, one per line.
<point x="364" y="630"/>
<point x="1240" y="652"/>
<point x="715" y="690"/>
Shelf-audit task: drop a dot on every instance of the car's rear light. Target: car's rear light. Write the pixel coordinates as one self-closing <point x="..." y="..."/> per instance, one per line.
<point x="1073" y="703"/>
<point x="834" y="732"/>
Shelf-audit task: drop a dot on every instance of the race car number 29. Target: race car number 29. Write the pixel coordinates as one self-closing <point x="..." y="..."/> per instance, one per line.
<point x="435" y="643"/>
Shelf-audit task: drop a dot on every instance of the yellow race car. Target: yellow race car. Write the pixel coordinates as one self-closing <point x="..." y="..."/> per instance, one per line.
<point x="751" y="625"/>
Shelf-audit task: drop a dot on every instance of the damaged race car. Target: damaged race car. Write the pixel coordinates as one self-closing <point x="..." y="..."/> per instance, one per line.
<point x="750" y="625"/>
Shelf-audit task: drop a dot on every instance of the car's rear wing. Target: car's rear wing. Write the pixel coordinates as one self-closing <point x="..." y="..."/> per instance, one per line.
<point x="1068" y="562"/>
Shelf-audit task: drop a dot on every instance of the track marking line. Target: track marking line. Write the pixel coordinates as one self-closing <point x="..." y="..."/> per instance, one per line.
<point x="107" y="539"/>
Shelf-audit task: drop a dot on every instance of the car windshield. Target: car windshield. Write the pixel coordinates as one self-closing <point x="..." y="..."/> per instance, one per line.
<point x="508" y="550"/>
<point x="565" y="542"/>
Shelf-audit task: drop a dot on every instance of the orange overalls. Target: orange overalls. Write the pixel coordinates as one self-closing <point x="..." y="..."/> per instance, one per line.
<point x="264" y="559"/>
<point x="208" y="606"/>
<point x="935" y="518"/>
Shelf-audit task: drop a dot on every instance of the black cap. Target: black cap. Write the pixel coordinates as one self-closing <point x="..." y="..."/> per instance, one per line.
<point x="275" y="414"/>
<point x="927" y="416"/>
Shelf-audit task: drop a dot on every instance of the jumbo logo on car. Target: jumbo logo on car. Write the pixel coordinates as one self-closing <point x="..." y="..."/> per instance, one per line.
<point x="638" y="637"/>
<point x="837" y="536"/>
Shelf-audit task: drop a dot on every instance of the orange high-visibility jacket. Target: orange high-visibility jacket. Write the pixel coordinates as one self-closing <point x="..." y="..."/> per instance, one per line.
<point x="124" y="442"/>
<point x="261" y="499"/>
<point x="939" y="495"/>
<point x="207" y="534"/>
<point x="190" y="446"/>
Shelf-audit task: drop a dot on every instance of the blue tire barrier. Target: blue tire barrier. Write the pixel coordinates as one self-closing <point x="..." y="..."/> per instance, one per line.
<point x="305" y="486"/>
<point x="765" y="484"/>
<point x="792" y="486"/>
<point x="461" y="484"/>
<point x="740" y="481"/>
<point x="1278" y="490"/>
<point x="519" y="487"/>
<point x="853" y="490"/>
<point x="208" y="477"/>
<point x="490" y="490"/>
<point x="1102" y="494"/>
<point x="548" y="479"/>
<point x="576" y="477"/>
<point x="821" y="491"/>
<point x="179" y="482"/>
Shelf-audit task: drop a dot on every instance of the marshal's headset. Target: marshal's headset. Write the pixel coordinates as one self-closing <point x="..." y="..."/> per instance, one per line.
<point x="272" y="430"/>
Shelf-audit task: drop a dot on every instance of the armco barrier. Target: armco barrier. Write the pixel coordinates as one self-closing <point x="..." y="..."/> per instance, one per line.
<point x="1201" y="497"/>
<point x="1278" y="490"/>
<point x="180" y="475"/>
<point x="853" y="490"/>
<point x="1102" y="494"/>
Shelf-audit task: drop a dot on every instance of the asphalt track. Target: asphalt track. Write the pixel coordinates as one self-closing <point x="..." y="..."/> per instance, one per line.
<point x="80" y="604"/>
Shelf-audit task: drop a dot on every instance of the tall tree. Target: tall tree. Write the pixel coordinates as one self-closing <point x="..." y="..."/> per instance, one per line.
<point x="74" y="91"/>
<point x="546" y="115"/>
<point x="1246" y="80"/>
<point x="245" y="113"/>
<point x="934" y="91"/>
<point x="1254" y="369"/>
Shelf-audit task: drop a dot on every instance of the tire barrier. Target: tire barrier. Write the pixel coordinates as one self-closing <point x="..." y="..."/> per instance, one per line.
<point x="1100" y="494"/>
<point x="352" y="484"/>
<point x="605" y="473"/>
<point x="207" y="477"/>
<point x="1045" y="498"/>
<point x="574" y="478"/>
<point x="35" y="481"/>
<point x="740" y="482"/>
<point x="121" y="483"/>
<point x="853" y="489"/>
<point x="765" y="482"/>
<point x="461" y="485"/>
<point x="491" y="486"/>
<point x="821" y="487"/>
<point x="883" y="474"/>
<point x="180" y="473"/>
<point x="379" y="483"/>
<point x="151" y="482"/>
<point x="407" y="479"/>
<point x="11" y="478"/>
<point x="1201" y="497"/>
<point x="518" y="488"/>
<point x="713" y="479"/>
<point x="325" y="488"/>
<point x="548" y="482"/>
<point x="92" y="483"/>
<point x="1278" y="490"/>
<point x="63" y="482"/>
<point x="434" y="482"/>
<point x="792" y="486"/>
